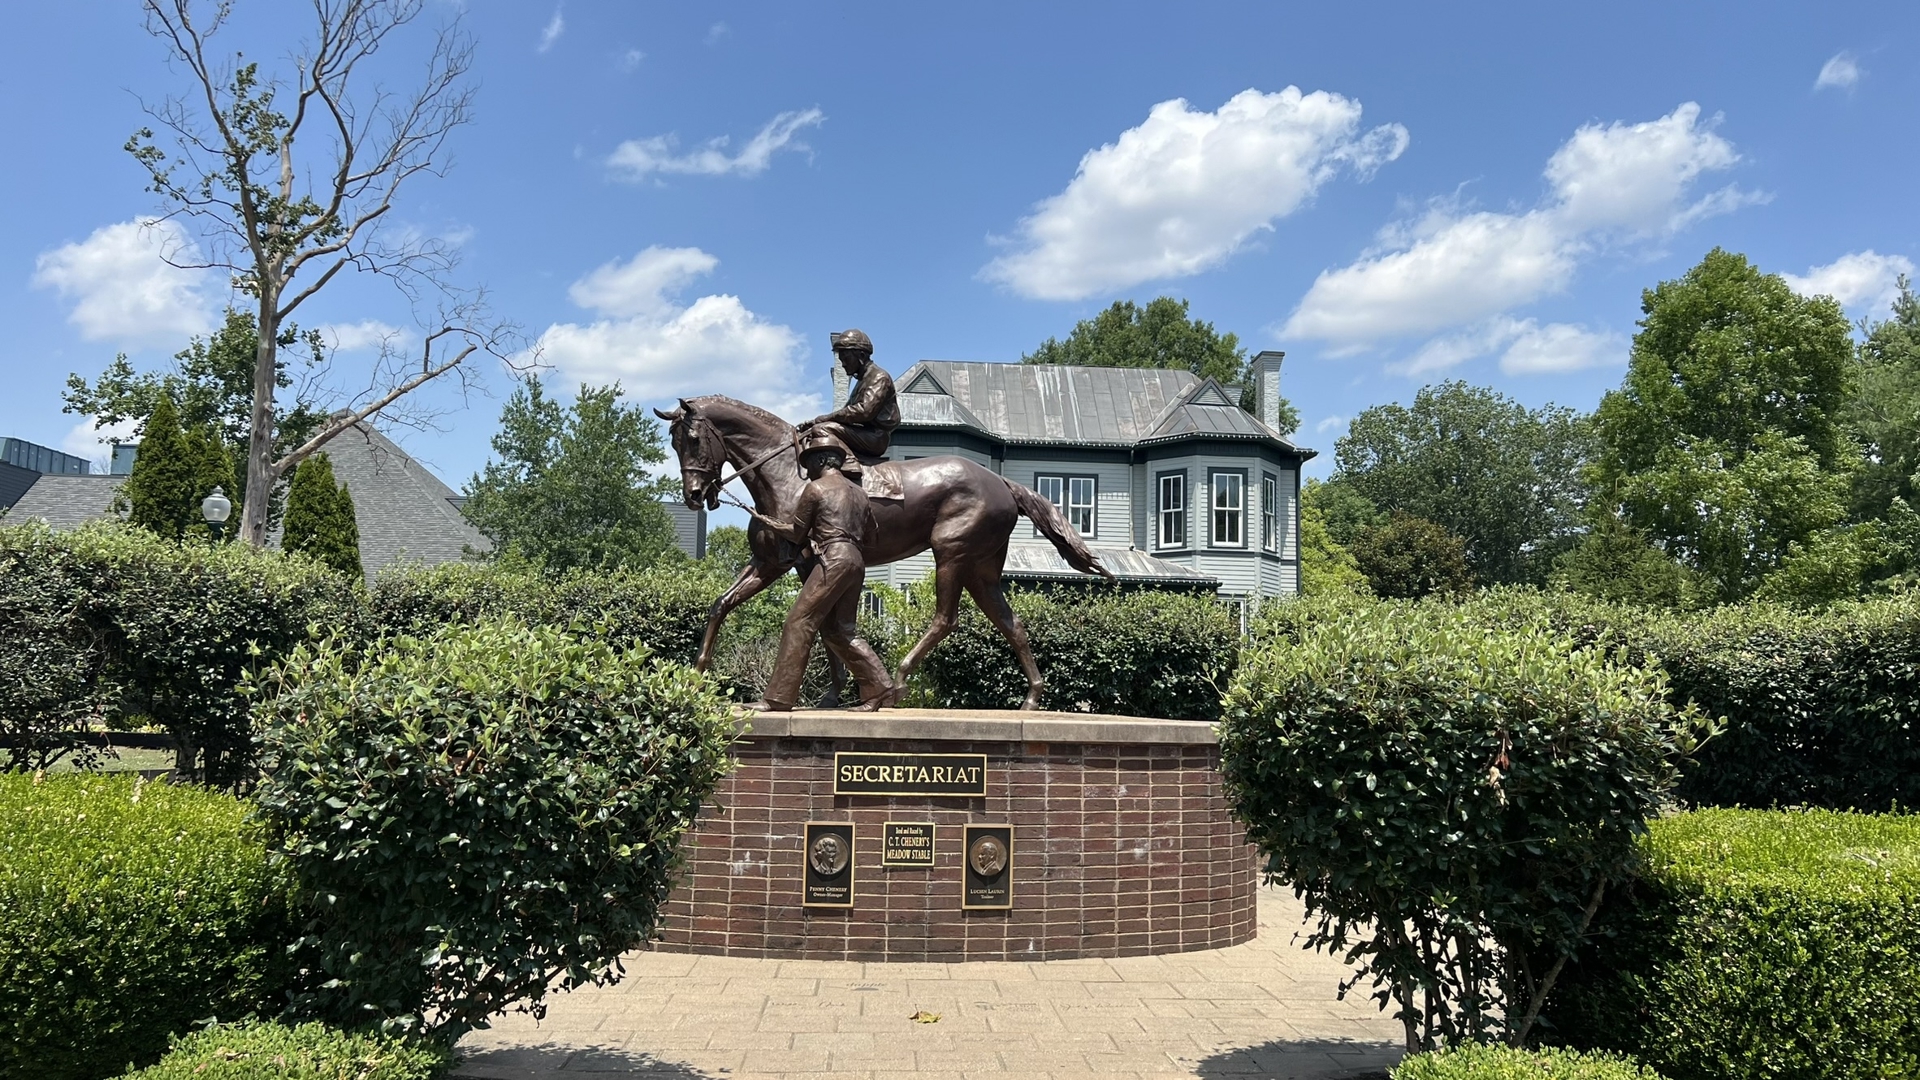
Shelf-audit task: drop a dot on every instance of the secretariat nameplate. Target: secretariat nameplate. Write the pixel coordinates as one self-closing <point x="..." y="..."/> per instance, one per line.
<point x="910" y="774"/>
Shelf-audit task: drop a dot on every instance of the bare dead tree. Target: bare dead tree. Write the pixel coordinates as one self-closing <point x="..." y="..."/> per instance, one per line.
<point x="284" y="224"/>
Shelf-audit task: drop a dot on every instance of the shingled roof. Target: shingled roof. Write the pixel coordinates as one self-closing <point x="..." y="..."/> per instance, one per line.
<point x="66" y="501"/>
<point x="404" y="512"/>
<point x="1080" y="406"/>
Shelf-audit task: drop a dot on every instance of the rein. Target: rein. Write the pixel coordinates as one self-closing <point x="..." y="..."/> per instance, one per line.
<point x="756" y="463"/>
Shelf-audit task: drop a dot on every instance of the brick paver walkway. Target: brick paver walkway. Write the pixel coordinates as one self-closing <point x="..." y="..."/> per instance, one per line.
<point x="1266" y="1008"/>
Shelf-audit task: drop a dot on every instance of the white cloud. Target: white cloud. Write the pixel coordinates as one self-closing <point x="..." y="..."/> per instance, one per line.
<point x="551" y="32"/>
<point x="95" y="443"/>
<point x="1859" y="280"/>
<point x="1841" y="71"/>
<point x="1331" y="423"/>
<point x="124" y="290"/>
<point x="1186" y="189"/>
<point x="630" y="59"/>
<point x="365" y="334"/>
<point x="659" y="349"/>
<point x="1558" y="347"/>
<point x="1530" y="348"/>
<point x="1447" y="269"/>
<point x="636" y="159"/>
<point x="717" y="31"/>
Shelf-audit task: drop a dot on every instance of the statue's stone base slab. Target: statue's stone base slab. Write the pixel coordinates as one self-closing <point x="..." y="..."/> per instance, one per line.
<point x="1122" y="842"/>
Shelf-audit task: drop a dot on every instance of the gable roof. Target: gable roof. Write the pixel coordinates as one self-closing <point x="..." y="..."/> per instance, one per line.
<point x="1077" y="406"/>
<point x="404" y="512"/>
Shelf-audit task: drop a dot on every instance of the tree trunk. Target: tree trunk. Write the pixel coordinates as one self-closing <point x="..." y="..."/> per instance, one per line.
<point x="260" y="478"/>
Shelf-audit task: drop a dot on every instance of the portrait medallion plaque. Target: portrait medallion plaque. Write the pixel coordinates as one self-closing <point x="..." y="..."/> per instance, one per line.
<point x="906" y="843"/>
<point x="827" y="879"/>
<point x="987" y="867"/>
<point x="910" y="774"/>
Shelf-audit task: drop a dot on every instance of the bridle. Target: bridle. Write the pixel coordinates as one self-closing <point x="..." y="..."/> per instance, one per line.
<point x="701" y="430"/>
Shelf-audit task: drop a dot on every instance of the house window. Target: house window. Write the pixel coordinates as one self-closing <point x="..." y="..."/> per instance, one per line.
<point x="1229" y="508"/>
<point x="1073" y="496"/>
<point x="1173" y="510"/>
<point x="1269" y="512"/>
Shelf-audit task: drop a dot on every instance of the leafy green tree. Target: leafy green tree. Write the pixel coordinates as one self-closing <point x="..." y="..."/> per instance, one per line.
<point x="1409" y="557"/>
<point x="173" y="473"/>
<point x="1613" y="562"/>
<point x="1724" y="443"/>
<point x="1347" y="513"/>
<point x="1883" y="414"/>
<point x="320" y="519"/>
<point x="1326" y="567"/>
<point x="1502" y="477"/>
<point x="727" y="548"/>
<point x="1159" y="335"/>
<point x="571" y="486"/>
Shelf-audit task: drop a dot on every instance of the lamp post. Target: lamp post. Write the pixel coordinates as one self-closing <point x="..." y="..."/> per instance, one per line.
<point x="215" y="509"/>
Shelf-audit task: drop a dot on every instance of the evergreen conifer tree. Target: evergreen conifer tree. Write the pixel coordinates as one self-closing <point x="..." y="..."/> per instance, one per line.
<point x="159" y="493"/>
<point x="320" y="520"/>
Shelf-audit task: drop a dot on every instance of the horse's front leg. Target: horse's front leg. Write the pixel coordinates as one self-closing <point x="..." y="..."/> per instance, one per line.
<point x="753" y="578"/>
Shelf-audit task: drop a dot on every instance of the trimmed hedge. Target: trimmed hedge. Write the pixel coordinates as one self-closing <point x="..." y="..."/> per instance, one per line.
<point x="1451" y="804"/>
<point x="158" y="632"/>
<point x="128" y="912"/>
<point x="1822" y="708"/>
<point x="1132" y="653"/>
<point x="256" y="1051"/>
<point x="663" y="608"/>
<point x="479" y="816"/>
<point x="1775" y="944"/>
<point x="1475" y="1061"/>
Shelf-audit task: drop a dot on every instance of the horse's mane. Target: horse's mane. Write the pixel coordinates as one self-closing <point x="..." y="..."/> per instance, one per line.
<point x="754" y="411"/>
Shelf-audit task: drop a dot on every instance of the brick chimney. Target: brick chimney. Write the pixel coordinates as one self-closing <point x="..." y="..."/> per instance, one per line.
<point x="1264" y="372"/>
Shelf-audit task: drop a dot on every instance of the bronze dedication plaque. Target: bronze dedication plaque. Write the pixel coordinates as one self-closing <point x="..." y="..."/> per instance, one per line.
<point x="986" y="858"/>
<point x="910" y="774"/>
<point x="828" y="874"/>
<point x="906" y="843"/>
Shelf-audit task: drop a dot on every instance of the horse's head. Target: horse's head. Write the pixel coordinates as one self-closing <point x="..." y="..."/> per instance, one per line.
<point x="701" y="452"/>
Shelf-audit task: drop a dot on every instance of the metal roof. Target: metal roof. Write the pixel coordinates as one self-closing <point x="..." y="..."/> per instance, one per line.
<point x="1126" y="564"/>
<point x="1076" y="406"/>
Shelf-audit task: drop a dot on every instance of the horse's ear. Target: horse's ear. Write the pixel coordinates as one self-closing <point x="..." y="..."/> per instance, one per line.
<point x="670" y="417"/>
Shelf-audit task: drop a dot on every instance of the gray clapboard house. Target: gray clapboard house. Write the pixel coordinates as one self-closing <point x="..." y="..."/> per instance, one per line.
<point x="1161" y="472"/>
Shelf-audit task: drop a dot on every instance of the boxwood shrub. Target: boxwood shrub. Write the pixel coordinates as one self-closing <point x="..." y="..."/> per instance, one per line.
<point x="478" y="815"/>
<point x="1451" y="802"/>
<point x="1761" y="943"/>
<point x="1477" y="1061"/>
<point x="128" y="912"/>
<point x="1100" y="649"/>
<point x="311" y="1051"/>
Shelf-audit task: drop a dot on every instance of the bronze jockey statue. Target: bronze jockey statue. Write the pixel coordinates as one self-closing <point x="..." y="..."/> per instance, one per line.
<point x="833" y="519"/>
<point x="865" y="423"/>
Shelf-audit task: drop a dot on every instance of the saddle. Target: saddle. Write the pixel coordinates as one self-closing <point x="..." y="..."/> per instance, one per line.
<point x="883" y="481"/>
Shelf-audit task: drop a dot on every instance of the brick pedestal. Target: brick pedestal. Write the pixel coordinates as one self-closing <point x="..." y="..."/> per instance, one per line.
<point x="1122" y="843"/>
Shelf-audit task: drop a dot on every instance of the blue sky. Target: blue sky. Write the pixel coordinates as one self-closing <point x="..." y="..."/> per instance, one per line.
<point x="689" y="197"/>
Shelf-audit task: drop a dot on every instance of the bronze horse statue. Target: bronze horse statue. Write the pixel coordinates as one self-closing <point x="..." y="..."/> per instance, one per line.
<point x="962" y="510"/>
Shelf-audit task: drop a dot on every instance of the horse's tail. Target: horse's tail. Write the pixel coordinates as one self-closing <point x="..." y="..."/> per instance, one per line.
<point x="1048" y="519"/>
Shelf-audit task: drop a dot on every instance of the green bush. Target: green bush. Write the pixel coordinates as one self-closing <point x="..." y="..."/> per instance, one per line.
<point x="128" y="911"/>
<point x="164" y="631"/>
<point x="1819" y="706"/>
<point x="473" y="815"/>
<point x="271" y="1051"/>
<point x="1143" y="653"/>
<point x="1477" y="1061"/>
<point x="1776" y="944"/>
<point x="663" y="607"/>
<point x="1450" y="801"/>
